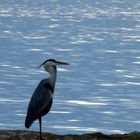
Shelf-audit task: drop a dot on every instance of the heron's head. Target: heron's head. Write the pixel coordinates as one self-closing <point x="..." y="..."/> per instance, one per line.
<point x="52" y="63"/>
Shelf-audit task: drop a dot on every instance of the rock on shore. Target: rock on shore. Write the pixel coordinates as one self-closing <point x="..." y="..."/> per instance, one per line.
<point x="30" y="135"/>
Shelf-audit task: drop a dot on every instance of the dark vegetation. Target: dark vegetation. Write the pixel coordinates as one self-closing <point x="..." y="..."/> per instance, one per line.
<point x="31" y="135"/>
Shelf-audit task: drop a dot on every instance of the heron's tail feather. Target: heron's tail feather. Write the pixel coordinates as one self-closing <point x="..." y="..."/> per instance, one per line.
<point x="28" y="122"/>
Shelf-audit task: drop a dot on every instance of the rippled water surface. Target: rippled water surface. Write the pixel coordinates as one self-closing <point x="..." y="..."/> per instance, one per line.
<point x="99" y="90"/>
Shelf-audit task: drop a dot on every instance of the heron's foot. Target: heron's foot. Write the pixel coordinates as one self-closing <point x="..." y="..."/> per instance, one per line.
<point x="40" y="138"/>
<point x="43" y="139"/>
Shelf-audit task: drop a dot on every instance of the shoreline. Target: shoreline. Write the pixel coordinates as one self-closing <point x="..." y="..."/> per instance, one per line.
<point x="32" y="135"/>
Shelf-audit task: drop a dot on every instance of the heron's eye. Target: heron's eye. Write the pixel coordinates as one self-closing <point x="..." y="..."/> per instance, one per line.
<point x="48" y="86"/>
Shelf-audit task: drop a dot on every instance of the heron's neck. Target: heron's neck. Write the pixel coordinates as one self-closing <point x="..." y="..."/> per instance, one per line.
<point x="53" y="74"/>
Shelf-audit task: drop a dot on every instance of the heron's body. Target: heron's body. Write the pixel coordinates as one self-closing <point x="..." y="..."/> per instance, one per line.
<point x="42" y="98"/>
<point x="41" y="106"/>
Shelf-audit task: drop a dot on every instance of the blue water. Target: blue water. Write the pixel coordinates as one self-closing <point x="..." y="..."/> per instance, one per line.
<point x="99" y="90"/>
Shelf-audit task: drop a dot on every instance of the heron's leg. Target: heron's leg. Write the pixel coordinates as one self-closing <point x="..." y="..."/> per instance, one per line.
<point x="40" y="123"/>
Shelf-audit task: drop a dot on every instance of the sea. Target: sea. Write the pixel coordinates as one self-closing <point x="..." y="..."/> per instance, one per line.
<point x="99" y="91"/>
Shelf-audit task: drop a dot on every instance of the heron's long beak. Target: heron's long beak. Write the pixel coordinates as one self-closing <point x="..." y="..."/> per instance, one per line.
<point x="57" y="62"/>
<point x="61" y="63"/>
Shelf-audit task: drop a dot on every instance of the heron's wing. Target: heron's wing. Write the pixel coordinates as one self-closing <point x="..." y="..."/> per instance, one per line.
<point x="41" y="100"/>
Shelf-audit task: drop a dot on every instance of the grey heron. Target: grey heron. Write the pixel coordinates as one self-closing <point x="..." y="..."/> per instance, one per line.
<point x="42" y="98"/>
